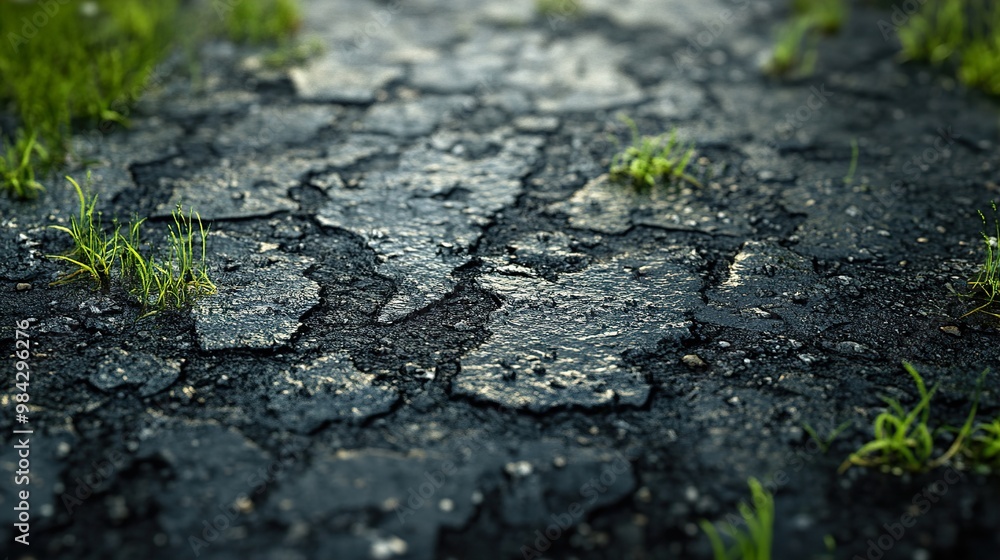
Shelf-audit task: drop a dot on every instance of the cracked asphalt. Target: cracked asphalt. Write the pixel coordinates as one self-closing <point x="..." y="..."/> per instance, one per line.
<point x="442" y="333"/>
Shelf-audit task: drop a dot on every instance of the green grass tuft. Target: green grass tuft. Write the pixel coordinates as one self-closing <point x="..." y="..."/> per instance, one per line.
<point x="177" y="280"/>
<point x="186" y="263"/>
<point x="980" y="66"/>
<point x="936" y="32"/>
<point x="983" y="449"/>
<point x="985" y="288"/>
<point x="903" y="439"/>
<point x="173" y="281"/>
<point x="94" y="250"/>
<point x="752" y="543"/>
<point x="85" y="62"/>
<point x="652" y="161"/>
<point x="794" y="50"/>
<point x="72" y="64"/>
<point x="962" y="34"/>
<point x="261" y="21"/>
<point x="17" y="166"/>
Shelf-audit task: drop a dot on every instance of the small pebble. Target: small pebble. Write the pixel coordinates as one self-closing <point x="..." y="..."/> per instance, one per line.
<point x="387" y="548"/>
<point x="691" y="494"/>
<point x="22" y="286"/>
<point x="519" y="469"/>
<point x="952" y="330"/>
<point x="693" y="361"/>
<point x="644" y="495"/>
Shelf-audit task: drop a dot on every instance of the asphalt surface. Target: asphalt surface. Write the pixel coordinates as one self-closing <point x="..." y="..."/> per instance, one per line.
<point x="442" y="332"/>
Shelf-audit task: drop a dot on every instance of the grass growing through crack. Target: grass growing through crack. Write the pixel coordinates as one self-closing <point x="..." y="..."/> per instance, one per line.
<point x="94" y="250"/>
<point x="138" y="269"/>
<point x="983" y="449"/>
<point x="174" y="281"/>
<point x="752" y="543"/>
<point x="903" y="439"/>
<point x="985" y="288"/>
<point x="652" y="160"/>
<point x="183" y="277"/>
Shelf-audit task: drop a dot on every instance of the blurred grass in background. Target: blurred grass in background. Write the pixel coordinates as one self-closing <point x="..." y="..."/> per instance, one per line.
<point x="68" y="64"/>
